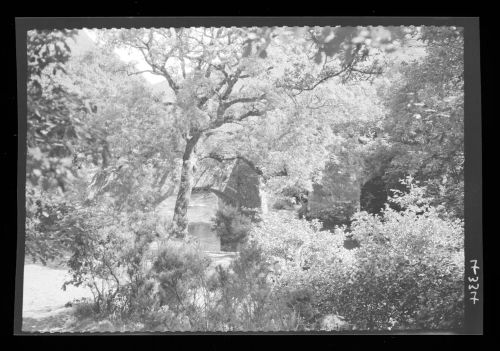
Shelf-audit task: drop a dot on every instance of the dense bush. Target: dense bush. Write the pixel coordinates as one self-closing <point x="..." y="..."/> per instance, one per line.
<point x="237" y="298"/>
<point x="108" y="255"/>
<point x="285" y="203"/>
<point x="301" y="301"/>
<point x="296" y="192"/>
<point x="246" y="299"/>
<point x="290" y="197"/>
<point x="178" y="269"/>
<point x="409" y="267"/>
<point x="337" y="215"/>
<point x="232" y="227"/>
<point x="406" y="274"/>
<point x="46" y="237"/>
<point x="304" y="254"/>
<point x="181" y="292"/>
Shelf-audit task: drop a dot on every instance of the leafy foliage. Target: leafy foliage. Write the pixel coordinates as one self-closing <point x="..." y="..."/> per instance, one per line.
<point x="232" y="227"/>
<point x="335" y="216"/>
<point x="50" y="135"/>
<point x="109" y="258"/>
<point x="178" y="268"/>
<point x="132" y="139"/>
<point x="409" y="267"/>
<point x="50" y="109"/>
<point x="426" y="123"/>
<point x="332" y="40"/>
<point x="45" y="240"/>
<point x="406" y="274"/>
<point x="179" y="292"/>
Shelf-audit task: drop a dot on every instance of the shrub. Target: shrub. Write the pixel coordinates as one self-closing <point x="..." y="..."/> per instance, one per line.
<point x="178" y="269"/>
<point x="407" y="272"/>
<point x="239" y="298"/>
<point x="409" y="267"/>
<point x="283" y="204"/>
<point x="246" y="299"/>
<point x="47" y="237"/>
<point x="301" y="301"/>
<point x="335" y="216"/>
<point x="179" y="293"/>
<point x="310" y="259"/>
<point x="296" y="243"/>
<point x="295" y="192"/>
<point x="232" y="227"/>
<point x="108" y="255"/>
<point x="84" y="309"/>
<point x="164" y="319"/>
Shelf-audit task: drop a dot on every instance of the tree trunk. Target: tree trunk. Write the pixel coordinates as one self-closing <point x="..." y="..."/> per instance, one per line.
<point x="180" y="220"/>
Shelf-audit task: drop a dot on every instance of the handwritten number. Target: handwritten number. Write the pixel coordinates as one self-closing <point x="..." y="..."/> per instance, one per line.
<point x="474" y="280"/>
<point x="474" y="299"/>
<point x="474" y="267"/>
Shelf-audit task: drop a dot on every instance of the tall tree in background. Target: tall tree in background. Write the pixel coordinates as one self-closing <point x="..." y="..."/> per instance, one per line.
<point x="51" y="136"/>
<point x="426" y="119"/>
<point x="50" y="109"/>
<point x="130" y="137"/>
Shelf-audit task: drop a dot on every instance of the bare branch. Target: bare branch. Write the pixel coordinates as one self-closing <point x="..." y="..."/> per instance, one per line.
<point x="230" y="80"/>
<point x="170" y="81"/>
<point x="251" y="113"/>
<point x="232" y="119"/>
<point x="222" y="159"/>
<point x="325" y="78"/>
<point x="371" y="72"/>
<point x="144" y="71"/>
<point x="161" y="70"/>
<point x="181" y="53"/>
<point x="215" y="91"/>
<point x="348" y="67"/>
<point x="230" y="85"/>
<point x="243" y="100"/>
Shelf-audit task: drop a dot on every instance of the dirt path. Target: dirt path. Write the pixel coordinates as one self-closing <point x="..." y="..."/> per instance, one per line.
<point x="43" y="299"/>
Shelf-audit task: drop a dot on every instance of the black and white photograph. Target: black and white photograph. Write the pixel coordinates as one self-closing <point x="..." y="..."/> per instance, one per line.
<point x="299" y="179"/>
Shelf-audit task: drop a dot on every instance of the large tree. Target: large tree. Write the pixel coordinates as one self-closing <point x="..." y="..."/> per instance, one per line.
<point x="425" y="123"/>
<point x="51" y="107"/>
<point x="207" y="76"/>
<point x="221" y="76"/>
<point x="51" y="136"/>
<point x="130" y="144"/>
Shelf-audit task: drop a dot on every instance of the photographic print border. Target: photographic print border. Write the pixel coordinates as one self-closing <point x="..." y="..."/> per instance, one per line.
<point x="473" y="137"/>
